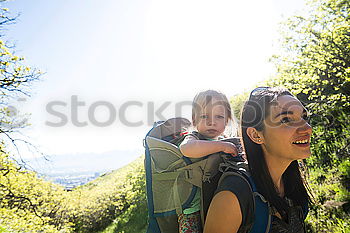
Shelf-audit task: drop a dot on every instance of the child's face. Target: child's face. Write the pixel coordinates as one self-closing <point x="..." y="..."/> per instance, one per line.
<point x="211" y="121"/>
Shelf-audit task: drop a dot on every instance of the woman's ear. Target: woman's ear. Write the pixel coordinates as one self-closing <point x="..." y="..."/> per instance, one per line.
<point x="255" y="135"/>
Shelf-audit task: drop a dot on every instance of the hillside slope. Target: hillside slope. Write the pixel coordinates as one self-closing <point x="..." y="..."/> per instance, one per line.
<point x="116" y="198"/>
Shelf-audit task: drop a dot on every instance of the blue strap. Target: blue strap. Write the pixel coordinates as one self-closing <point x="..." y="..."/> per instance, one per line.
<point x="153" y="226"/>
<point x="262" y="215"/>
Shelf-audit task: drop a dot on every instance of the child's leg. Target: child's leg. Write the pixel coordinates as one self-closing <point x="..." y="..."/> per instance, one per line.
<point x="190" y="223"/>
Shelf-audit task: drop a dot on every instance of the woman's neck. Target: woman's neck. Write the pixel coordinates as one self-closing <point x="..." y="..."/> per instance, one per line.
<point x="277" y="167"/>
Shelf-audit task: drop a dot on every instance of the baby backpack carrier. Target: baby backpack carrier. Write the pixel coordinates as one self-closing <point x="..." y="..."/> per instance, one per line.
<point x="172" y="179"/>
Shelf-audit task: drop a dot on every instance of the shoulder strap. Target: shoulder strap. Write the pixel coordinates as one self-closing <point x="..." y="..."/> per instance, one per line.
<point x="240" y="169"/>
<point x="263" y="211"/>
<point x="261" y="221"/>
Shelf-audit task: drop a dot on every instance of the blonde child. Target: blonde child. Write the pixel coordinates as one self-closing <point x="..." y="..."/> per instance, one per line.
<point x="211" y="113"/>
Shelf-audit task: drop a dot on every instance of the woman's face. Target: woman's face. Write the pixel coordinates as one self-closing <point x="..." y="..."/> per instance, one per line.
<point x="287" y="132"/>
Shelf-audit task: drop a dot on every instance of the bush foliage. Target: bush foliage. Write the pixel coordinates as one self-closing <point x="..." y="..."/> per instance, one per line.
<point x="30" y="204"/>
<point x="314" y="63"/>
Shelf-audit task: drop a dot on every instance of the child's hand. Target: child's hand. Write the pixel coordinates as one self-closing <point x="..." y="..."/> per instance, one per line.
<point x="230" y="148"/>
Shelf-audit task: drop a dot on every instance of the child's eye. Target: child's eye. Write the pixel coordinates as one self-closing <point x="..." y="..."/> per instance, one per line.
<point x="220" y="117"/>
<point x="203" y="117"/>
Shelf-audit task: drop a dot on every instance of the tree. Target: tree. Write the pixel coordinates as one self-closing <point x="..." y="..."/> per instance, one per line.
<point x="15" y="81"/>
<point x="27" y="203"/>
<point x="315" y="64"/>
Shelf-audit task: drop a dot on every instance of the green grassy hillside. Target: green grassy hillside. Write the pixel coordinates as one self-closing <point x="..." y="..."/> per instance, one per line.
<point x="30" y="204"/>
<point x="116" y="199"/>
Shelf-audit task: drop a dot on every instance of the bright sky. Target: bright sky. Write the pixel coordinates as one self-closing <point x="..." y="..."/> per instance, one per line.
<point x="147" y="51"/>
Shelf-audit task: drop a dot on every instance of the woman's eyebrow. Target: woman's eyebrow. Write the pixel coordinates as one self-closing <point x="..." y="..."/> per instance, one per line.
<point x="284" y="113"/>
<point x="289" y="113"/>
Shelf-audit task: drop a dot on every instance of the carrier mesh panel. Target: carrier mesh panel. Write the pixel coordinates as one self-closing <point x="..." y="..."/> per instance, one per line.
<point x="163" y="156"/>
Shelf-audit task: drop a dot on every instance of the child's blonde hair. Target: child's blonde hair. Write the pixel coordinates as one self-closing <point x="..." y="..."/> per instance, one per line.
<point x="202" y="99"/>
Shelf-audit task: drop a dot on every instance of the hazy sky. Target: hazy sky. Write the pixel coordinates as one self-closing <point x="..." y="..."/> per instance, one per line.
<point x="135" y="56"/>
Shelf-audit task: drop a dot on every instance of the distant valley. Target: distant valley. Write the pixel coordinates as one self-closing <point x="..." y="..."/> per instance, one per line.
<point x="71" y="170"/>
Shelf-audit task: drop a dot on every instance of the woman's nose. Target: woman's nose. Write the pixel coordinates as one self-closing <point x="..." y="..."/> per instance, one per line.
<point x="305" y="128"/>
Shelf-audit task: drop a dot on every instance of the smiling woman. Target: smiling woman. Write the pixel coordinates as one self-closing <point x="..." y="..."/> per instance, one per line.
<point x="276" y="134"/>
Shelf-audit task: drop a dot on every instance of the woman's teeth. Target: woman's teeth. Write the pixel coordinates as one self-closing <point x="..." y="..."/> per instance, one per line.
<point x="301" y="141"/>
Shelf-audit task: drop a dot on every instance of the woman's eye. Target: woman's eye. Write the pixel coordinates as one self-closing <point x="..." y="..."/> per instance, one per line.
<point x="286" y="120"/>
<point x="306" y="118"/>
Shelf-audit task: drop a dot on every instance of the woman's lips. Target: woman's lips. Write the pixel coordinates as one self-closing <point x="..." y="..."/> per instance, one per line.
<point x="303" y="145"/>
<point x="302" y="142"/>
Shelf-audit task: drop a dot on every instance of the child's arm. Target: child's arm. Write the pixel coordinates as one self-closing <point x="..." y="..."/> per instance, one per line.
<point x="193" y="148"/>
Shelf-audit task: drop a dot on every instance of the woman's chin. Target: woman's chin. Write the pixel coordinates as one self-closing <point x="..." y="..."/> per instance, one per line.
<point x="305" y="155"/>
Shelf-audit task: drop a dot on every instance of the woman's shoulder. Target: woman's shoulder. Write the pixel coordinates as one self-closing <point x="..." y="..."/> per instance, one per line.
<point x="242" y="191"/>
<point x="235" y="183"/>
<point x="224" y="214"/>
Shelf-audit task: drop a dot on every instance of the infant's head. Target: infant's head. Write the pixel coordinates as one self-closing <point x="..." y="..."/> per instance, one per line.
<point x="211" y="112"/>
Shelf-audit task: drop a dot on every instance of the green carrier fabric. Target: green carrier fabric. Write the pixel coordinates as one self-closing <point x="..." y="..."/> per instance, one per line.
<point x="172" y="180"/>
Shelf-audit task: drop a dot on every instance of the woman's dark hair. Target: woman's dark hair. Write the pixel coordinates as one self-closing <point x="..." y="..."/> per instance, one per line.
<point x="254" y="112"/>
